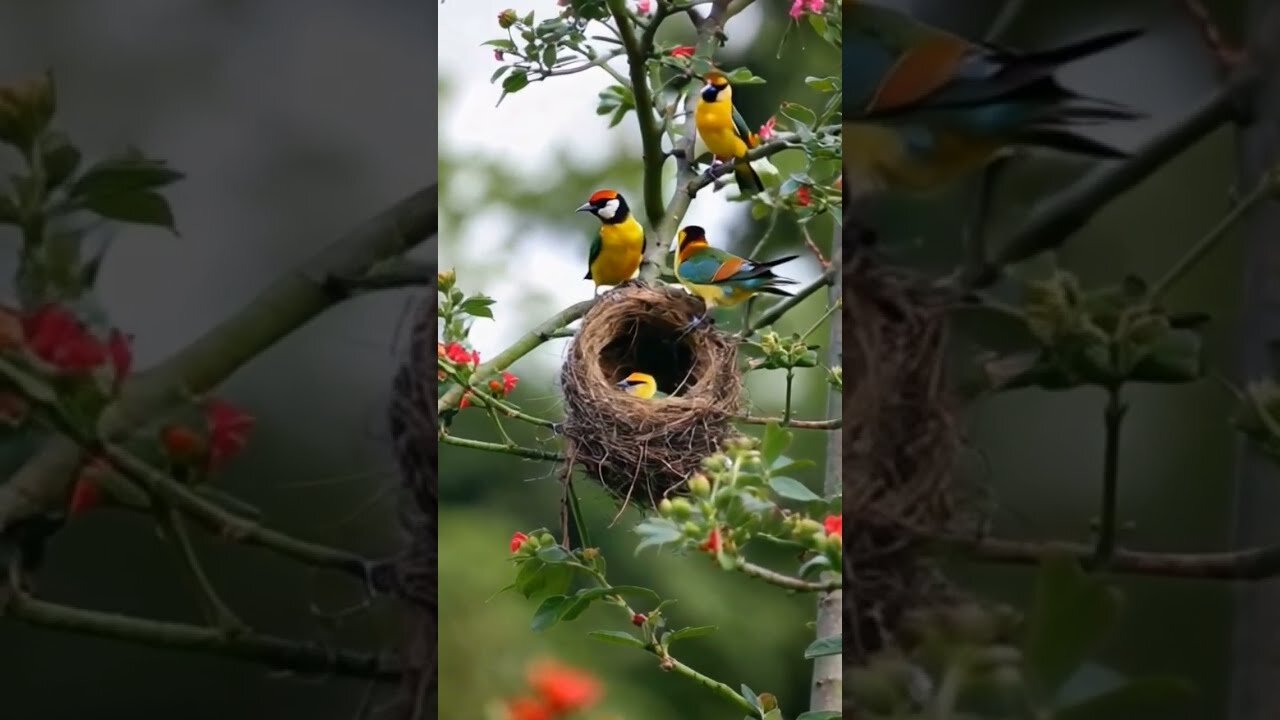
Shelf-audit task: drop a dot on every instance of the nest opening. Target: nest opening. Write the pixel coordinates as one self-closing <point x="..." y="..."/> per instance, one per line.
<point x="642" y="449"/>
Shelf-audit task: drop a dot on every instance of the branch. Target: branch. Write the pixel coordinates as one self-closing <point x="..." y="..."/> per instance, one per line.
<point x="1228" y="57"/>
<point x="1250" y="564"/>
<point x="779" y="309"/>
<point x="1063" y="214"/>
<point x="833" y="424"/>
<point x="1113" y="419"/>
<point x="527" y="342"/>
<point x="650" y="132"/>
<point x="289" y="303"/>
<point x="263" y="649"/>
<point x="391" y="275"/>
<point x="518" y="451"/>
<point x="786" y="581"/>
<point x="782" y="142"/>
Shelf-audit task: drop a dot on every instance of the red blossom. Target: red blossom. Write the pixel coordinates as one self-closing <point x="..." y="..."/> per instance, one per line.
<point x="459" y="355"/>
<point x="767" y="130"/>
<point x="465" y="402"/>
<point x="800" y="7"/>
<point x="497" y="55"/>
<point x="509" y="382"/>
<point x="10" y="329"/>
<point x="683" y="51"/>
<point x="87" y="492"/>
<point x="833" y="524"/>
<point x="57" y="337"/>
<point x="564" y="689"/>
<point x="13" y="409"/>
<point x="803" y="196"/>
<point x="518" y="540"/>
<point x="712" y="543"/>
<point x="183" y="444"/>
<point x="228" y="430"/>
<point x="527" y="708"/>
<point x="638" y="619"/>
<point x="644" y="7"/>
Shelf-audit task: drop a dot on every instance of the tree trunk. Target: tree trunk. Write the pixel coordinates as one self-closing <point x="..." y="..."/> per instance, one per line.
<point x="1255" y="683"/>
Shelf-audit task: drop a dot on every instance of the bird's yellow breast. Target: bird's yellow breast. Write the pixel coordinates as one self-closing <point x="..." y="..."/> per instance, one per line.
<point x="621" y="249"/>
<point x="715" y="127"/>
<point x="880" y="155"/>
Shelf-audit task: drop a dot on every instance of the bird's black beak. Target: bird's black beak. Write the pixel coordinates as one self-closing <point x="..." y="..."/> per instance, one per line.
<point x="585" y="207"/>
<point x="622" y="384"/>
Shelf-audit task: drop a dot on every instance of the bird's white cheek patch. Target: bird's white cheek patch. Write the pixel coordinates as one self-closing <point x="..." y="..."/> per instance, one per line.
<point x="608" y="210"/>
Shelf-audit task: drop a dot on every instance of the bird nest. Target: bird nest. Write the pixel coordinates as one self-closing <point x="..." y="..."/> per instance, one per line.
<point x="643" y="448"/>
<point x="899" y="448"/>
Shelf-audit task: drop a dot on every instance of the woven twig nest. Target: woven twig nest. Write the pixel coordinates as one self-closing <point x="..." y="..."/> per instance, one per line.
<point x="899" y="449"/>
<point x="641" y="449"/>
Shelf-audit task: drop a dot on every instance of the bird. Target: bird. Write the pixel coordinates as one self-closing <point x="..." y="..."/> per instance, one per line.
<point x="725" y="132"/>
<point x="721" y="278"/>
<point x="617" y="251"/>
<point x="923" y="107"/>
<point x="641" y="385"/>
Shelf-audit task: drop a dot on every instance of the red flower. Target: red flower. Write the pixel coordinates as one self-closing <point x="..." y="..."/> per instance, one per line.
<point x="518" y="540"/>
<point x="228" y="430"/>
<point x="644" y="7"/>
<point x="527" y="708"/>
<point x="564" y="689"/>
<point x="497" y="55"/>
<point x="683" y="51"/>
<point x="465" y="402"/>
<point x="13" y="409"/>
<point x="57" y="337"/>
<point x="121" y="353"/>
<point x="183" y="444"/>
<point x="87" y="493"/>
<point x="833" y="524"/>
<point x="767" y="130"/>
<point x="712" y="543"/>
<point x="803" y="196"/>
<point x="800" y="7"/>
<point x="459" y="355"/>
<point x="638" y="619"/>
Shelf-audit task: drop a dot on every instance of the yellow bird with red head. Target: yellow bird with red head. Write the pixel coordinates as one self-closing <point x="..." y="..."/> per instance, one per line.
<point x="618" y="249"/>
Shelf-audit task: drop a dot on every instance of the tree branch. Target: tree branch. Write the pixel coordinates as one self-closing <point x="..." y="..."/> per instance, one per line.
<point x="290" y="302"/>
<point x="779" y="309"/>
<point x="518" y="451"/>
<point x="650" y="132"/>
<point x="833" y="424"/>
<point x="786" y="581"/>
<point x="392" y="274"/>
<point x="1113" y="419"/>
<point x="1065" y="213"/>
<point x="268" y="650"/>
<point x="527" y="342"/>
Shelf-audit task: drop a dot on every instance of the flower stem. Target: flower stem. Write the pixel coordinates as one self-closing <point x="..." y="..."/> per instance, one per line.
<point x="1113" y="417"/>
<point x="517" y="450"/>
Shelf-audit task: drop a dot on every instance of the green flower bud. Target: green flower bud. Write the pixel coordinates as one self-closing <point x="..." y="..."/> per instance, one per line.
<point x="699" y="485"/>
<point x="507" y="18"/>
<point x="665" y="507"/>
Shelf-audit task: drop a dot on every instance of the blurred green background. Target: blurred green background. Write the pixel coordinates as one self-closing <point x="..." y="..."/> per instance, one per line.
<point x="511" y="177"/>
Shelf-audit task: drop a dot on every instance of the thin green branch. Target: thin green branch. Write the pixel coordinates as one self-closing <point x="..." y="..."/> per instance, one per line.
<point x="517" y="450"/>
<point x="779" y="309"/>
<point x="267" y="650"/>
<point x="1113" y="419"/>
<point x="479" y="397"/>
<point x="833" y="424"/>
<point x="650" y="133"/>
<point x="813" y="328"/>
<point x="216" y="611"/>
<point x="786" y="581"/>
<point x="517" y="350"/>
<point x="1210" y="240"/>
<point x="786" y="406"/>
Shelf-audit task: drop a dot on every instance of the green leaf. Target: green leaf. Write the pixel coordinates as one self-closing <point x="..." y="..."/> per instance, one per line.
<point x="793" y="489"/>
<point x="1142" y="697"/>
<point x="515" y="82"/>
<point x="596" y="593"/>
<point x="617" y="637"/>
<point x="554" y="554"/>
<point x="538" y="579"/>
<point x="478" y="306"/>
<point x="814" y="565"/>
<point x="830" y="645"/>
<point x="60" y="159"/>
<point x="1071" y="614"/>
<point x="501" y="44"/>
<point x="574" y="608"/>
<point x="750" y="696"/>
<point x="657" y="531"/>
<point x="785" y="465"/>
<point x="1177" y="358"/>
<point x="743" y="76"/>
<point x="548" y="613"/>
<point x="774" y="714"/>
<point x="125" y="174"/>
<point x="819" y="715"/>
<point x="142" y="207"/>
<point x="689" y="632"/>
<point x="773" y="443"/>
<point x="823" y="84"/>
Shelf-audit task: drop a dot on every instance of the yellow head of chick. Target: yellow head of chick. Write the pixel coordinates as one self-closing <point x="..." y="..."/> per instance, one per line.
<point x="638" y="384"/>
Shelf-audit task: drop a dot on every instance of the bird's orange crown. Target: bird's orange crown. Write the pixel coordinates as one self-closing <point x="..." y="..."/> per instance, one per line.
<point x="603" y="196"/>
<point x="690" y="236"/>
<point x="716" y="78"/>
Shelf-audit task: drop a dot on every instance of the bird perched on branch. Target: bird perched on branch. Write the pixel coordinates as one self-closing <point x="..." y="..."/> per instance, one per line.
<point x="923" y="106"/>
<point x="721" y="278"/>
<point x="641" y="385"/>
<point x="618" y="249"/>
<point x="725" y="132"/>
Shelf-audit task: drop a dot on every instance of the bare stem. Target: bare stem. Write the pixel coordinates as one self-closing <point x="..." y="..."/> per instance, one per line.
<point x="786" y="581"/>
<point x="512" y="449"/>
<point x="1113" y="418"/>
